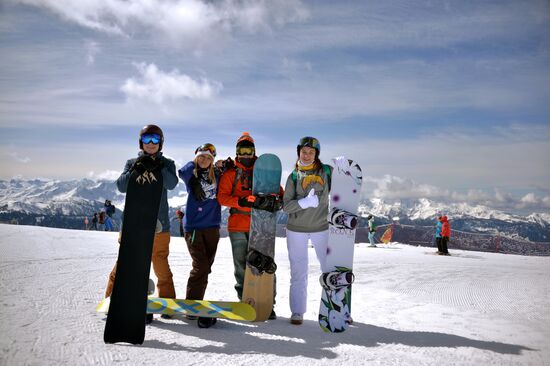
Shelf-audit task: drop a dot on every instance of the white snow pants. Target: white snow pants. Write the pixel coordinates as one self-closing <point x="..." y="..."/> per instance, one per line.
<point x="297" y="244"/>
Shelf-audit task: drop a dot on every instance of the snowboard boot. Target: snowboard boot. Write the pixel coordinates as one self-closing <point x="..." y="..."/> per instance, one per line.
<point x="148" y="318"/>
<point x="166" y="316"/>
<point x="272" y="316"/>
<point x="204" y="322"/>
<point x="336" y="280"/>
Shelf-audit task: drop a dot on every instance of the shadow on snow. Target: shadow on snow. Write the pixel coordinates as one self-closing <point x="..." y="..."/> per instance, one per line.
<point x="281" y="338"/>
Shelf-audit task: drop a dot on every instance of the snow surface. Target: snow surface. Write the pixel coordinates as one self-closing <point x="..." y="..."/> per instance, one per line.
<point x="409" y="307"/>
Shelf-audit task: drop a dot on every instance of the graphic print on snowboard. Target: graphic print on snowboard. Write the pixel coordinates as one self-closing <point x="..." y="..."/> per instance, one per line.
<point x="199" y="308"/>
<point x="126" y="317"/>
<point x="258" y="285"/>
<point x="335" y="307"/>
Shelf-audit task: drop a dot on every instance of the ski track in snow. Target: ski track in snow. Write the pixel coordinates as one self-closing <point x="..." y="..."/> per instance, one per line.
<point x="408" y="308"/>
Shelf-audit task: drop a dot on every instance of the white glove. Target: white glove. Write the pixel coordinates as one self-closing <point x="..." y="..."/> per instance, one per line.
<point x="341" y="163"/>
<point x="311" y="200"/>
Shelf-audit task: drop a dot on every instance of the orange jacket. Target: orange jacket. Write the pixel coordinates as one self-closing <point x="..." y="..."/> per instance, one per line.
<point x="239" y="221"/>
<point x="446" y="227"/>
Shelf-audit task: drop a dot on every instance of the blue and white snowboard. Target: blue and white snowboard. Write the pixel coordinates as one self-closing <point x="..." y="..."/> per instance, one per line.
<point x="258" y="285"/>
<point x="335" y="309"/>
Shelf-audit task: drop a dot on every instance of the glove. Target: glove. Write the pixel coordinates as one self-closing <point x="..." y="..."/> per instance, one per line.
<point x="226" y="164"/>
<point x="270" y="203"/>
<point x="311" y="200"/>
<point x="341" y="163"/>
<point x="147" y="163"/>
<point x="247" y="201"/>
<point x="196" y="188"/>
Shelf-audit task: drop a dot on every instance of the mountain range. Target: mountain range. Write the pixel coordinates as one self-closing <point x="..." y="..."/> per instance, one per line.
<point x="65" y="204"/>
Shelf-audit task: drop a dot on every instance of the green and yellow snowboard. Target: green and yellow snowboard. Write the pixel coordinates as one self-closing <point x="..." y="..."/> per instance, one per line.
<point x="199" y="308"/>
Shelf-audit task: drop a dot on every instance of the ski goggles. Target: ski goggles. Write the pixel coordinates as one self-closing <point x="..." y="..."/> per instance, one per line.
<point x="245" y="150"/>
<point x="151" y="138"/>
<point x="206" y="148"/>
<point x="310" y="142"/>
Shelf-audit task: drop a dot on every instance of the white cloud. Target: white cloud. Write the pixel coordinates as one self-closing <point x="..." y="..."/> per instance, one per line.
<point x="160" y="87"/>
<point x="110" y="175"/>
<point x="92" y="49"/>
<point x="19" y="159"/>
<point x="175" y="18"/>
<point x="393" y="187"/>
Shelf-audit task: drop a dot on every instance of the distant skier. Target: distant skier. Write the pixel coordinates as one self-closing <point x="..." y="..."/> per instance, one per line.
<point x="94" y="221"/>
<point x="179" y="217"/>
<point x="109" y="208"/>
<point x="372" y="230"/>
<point x="445" y="235"/>
<point x="86" y="222"/>
<point x="438" y="238"/>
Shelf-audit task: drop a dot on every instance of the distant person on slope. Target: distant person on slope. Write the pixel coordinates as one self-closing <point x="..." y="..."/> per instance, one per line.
<point x="179" y="217"/>
<point x="372" y="230"/>
<point x="235" y="192"/>
<point x="203" y="219"/>
<point x="151" y="140"/>
<point x="438" y="227"/>
<point x="306" y="203"/>
<point x="445" y="235"/>
<point x="94" y="222"/>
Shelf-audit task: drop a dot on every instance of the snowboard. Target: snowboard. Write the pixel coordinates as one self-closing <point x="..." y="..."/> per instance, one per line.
<point x="199" y="308"/>
<point x="258" y="283"/>
<point x="126" y="317"/>
<point x="335" y="308"/>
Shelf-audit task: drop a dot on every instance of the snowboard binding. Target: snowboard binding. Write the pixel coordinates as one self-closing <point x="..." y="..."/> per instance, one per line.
<point x="260" y="262"/>
<point x="336" y="280"/>
<point x="270" y="202"/>
<point x="342" y="219"/>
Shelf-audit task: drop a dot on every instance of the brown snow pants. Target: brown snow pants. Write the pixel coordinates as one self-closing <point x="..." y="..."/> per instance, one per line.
<point x="202" y="245"/>
<point x="161" y="268"/>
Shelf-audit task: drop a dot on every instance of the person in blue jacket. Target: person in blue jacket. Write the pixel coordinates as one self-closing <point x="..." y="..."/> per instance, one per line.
<point x="203" y="217"/>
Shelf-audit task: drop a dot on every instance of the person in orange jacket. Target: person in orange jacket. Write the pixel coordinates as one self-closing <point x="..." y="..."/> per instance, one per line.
<point x="445" y="235"/>
<point x="235" y="192"/>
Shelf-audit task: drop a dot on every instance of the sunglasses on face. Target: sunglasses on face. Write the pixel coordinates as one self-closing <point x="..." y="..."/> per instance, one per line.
<point x="152" y="138"/>
<point x="207" y="147"/>
<point x="246" y="150"/>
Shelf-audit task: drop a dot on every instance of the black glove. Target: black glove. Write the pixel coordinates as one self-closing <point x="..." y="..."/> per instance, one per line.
<point x="196" y="188"/>
<point x="147" y="163"/>
<point x="270" y="203"/>
<point x="227" y="164"/>
<point x="245" y="202"/>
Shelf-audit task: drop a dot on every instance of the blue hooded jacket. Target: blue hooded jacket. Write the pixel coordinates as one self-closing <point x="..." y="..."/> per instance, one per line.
<point x="201" y="214"/>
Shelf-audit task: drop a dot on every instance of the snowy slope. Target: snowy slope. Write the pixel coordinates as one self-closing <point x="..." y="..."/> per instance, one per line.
<point x="409" y="307"/>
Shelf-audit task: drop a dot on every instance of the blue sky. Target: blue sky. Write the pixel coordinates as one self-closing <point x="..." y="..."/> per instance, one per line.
<point x="442" y="99"/>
